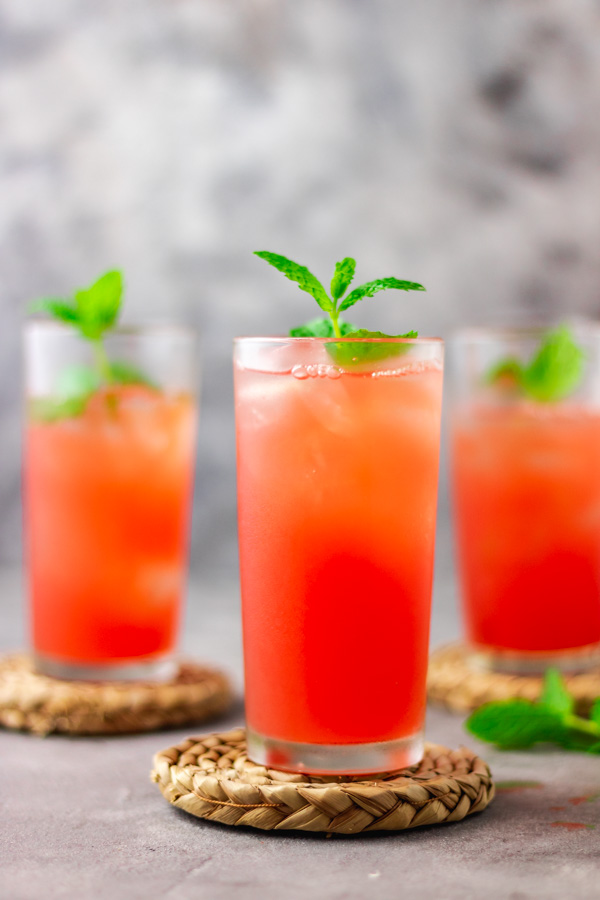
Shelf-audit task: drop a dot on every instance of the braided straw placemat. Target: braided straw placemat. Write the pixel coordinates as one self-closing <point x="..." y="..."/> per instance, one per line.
<point x="454" y="683"/>
<point x="40" y="704"/>
<point x="212" y="778"/>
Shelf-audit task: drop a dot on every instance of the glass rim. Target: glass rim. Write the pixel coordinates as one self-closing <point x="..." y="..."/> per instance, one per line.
<point x="274" y="339"/>
<point x="147" y="330"/>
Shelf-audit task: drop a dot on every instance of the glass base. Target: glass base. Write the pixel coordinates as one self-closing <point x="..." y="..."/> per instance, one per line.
<point x="518" y="662"/>
<point x="335" y="759"/>
<point x="155" y="669"/>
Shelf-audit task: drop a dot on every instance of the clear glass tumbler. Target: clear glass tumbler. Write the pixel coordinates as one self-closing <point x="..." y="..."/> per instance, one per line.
<point x="337" y="491"/>
<point x="526" y="493"/>
<point x="108" y="476"/>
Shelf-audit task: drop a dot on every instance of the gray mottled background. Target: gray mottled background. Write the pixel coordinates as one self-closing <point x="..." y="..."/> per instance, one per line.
<point x="454" y="142"/>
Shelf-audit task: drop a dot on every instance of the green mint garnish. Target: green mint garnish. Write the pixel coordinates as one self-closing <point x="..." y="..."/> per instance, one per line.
<point x="347" y="353"/>
<point x="93" y="312"/>
<point x="518" y="724"/>
<point x="51" y="409"/>
<point x="305" y="280"/>
<point x="343" y="353"/>
<point x="321" y="328"/>
<point x="123" y="373"/>
<point x="553" y="373"/>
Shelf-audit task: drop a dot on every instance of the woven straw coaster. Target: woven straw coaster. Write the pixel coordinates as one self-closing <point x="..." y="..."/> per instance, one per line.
<point x="212" y="778"/>
<point x="453" y="683"/>
<point x="40" y="704"/>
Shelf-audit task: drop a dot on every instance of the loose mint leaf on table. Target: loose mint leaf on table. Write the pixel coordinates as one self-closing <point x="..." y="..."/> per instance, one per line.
<point x="555" y="695"/>
<point x="515" y="724"/>
<point x="344" y="353"/>
<point x="553" y="373"/>
<point x="93" y="311"/>
<point x="518" y="724"/>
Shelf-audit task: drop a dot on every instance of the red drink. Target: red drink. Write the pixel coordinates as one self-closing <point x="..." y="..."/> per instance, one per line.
<point x="527" y="498"/>
<point x="337" y="486"/>
<point x="108" y="489"/>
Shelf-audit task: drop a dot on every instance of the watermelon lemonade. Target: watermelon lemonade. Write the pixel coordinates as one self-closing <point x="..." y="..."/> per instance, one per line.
<point x="526" y="486"/>
<point x="107" y="508"/>
<point x="109" y="450"/>
<point x="337" y="487"/>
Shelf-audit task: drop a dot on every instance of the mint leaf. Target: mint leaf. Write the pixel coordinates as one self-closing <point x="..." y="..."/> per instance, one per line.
<point x="556" y="369"/>
<point x="74" y="381"/>
<point x="515" y="724"/>
<point x="52" y="409"/>
<point x="342" y="277"/>
<point x="58" y="309"/>
<point x="123" y="373"/>
<point x="555" y="695"/>
<point x="320" y="328"/>
<point x="508" y="372"/>
<point x="373" y="287"/>
<point x="348" y="353"/>
<point x="305" y="280"/>
<point x="518" y="723"/>
<point x="553" y="373"/>
<point x="93" y="311"/>
<point x="98" y="306"/>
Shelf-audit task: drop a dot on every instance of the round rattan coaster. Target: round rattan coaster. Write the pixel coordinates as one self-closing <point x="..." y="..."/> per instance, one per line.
<point x="212" y="778"/>
<point x="40" y="704"/>
<point x="452" y="682"/>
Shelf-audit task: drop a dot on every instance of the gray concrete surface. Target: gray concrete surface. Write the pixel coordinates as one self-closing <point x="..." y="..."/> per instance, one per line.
<point x="80" y="819"/>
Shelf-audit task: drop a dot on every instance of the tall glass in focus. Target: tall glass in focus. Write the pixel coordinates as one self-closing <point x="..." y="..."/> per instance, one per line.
<point x="526" y="492"/>
<point x="108" y="486"/>
<point x="337" y="488"/>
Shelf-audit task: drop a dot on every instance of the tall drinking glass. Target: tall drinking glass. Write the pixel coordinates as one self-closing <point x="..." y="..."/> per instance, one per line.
<point x="526" y="491"/>
<point x="337" y="488"/>
<point x="108" y="483"/>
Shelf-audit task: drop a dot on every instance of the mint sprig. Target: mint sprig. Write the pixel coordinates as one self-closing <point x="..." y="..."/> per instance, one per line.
<point x="342" y="353"/>
<point x="553" y="373"/>
<point x="321" y="328"/>
<point x="92" y="311"/>
<point x="517" y="724"/>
